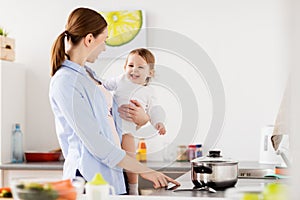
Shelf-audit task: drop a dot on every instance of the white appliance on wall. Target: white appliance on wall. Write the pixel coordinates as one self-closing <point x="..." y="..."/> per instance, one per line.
<point x="267" y="153"/>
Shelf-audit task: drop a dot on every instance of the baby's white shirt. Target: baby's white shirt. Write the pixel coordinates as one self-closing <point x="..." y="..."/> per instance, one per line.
<point x="124" y="90"/>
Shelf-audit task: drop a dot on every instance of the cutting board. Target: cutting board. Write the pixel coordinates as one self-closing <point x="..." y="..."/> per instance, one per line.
<point x="6" y="198"/>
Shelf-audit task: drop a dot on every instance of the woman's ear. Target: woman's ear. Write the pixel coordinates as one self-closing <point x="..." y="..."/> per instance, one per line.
<point x="88" y="39"/>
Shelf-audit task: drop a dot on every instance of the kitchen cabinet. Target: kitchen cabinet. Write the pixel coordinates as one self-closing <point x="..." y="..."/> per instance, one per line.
<point x="9" y="175"/>
<point x="12" y="104"/>
<point x="30" y="170"/>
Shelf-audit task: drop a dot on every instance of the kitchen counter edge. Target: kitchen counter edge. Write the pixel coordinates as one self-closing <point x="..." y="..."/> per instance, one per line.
<point x="156" y="165"/>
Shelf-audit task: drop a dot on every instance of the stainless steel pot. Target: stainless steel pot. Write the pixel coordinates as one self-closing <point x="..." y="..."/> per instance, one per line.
<point x="214" y="171"/>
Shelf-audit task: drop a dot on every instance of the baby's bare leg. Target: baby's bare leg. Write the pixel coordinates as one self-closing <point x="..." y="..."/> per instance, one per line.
<point x="129" y="146"/>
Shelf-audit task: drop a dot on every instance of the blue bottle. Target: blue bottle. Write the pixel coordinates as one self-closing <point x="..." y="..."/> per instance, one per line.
<point x="17" y="145"/>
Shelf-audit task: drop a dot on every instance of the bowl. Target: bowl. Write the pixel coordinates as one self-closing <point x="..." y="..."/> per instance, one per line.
<point x="42" y="156"/>
<point x="46" y="189"/>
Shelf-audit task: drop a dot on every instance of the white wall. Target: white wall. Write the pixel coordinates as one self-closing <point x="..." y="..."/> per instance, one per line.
<point x="247" y="41"/>
<point x="12" y="104"/>
<point x="294" y="110"/>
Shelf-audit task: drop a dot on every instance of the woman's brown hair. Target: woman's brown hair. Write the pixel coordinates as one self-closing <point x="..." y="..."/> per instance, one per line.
<point x="81" y="22"/>
<point x="147" y="56"/>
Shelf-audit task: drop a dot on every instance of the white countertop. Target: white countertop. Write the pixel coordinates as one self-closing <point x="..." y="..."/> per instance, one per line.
<point x="163" y="194"/>
<point x="32" y="166"/>
<point x="242" y="183"/>
<point x="156" y="165"/>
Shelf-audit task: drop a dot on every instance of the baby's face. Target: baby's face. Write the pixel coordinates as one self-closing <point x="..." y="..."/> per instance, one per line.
<point x="137" y="69"/>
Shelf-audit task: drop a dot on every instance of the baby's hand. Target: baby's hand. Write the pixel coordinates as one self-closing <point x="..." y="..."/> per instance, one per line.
<point x="161" y="128"/>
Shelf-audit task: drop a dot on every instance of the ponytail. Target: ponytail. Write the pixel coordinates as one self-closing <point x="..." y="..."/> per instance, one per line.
<point x="58" y="53"/>
<point x="81" y="22"/>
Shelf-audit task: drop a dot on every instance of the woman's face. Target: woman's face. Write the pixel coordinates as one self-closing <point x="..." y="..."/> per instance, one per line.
<point x="99" y="46"/>
<point x="137" y="69"/>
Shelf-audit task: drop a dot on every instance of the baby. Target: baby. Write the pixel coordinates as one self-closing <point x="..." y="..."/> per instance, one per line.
<point x="134" y="85"/>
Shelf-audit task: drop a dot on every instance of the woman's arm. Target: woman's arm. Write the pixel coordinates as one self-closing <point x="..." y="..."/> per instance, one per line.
<point x="158" y="179"/>
<point x="134" y="112"/>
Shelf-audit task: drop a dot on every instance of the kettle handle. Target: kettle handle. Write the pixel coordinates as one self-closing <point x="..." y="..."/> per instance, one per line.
<point x="202" y="169"/>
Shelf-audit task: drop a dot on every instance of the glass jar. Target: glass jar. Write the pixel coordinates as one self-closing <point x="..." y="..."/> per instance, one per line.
<point x="191" y="152"/>
<point x="198" y="150"/>
<point x="181" y="153"/>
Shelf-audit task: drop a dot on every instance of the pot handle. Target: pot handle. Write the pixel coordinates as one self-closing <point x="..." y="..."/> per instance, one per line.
<point x="202" y="169"/>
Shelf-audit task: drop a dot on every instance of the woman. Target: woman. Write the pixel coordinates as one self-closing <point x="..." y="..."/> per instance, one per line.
<point x="82" y="118"/>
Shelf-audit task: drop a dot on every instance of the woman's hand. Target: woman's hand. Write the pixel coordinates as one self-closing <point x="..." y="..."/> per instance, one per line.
<point x="158" y="179"/>
<point x="133" y="112"/>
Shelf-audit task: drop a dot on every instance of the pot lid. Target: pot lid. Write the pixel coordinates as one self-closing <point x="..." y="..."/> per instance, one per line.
<point x="214" y="156"/>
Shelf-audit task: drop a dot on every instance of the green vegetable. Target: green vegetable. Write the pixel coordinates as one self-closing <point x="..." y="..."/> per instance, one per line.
<point x="34" y="186"/>
<point x="7" y="194"/>
<point x="2" y="32"/>
<point x="20" y="186"/>
<point x="36" y="191"/>
<point x="38" y="195"/>
<point x="251" y="196"/>
<point x="276" y="191"/>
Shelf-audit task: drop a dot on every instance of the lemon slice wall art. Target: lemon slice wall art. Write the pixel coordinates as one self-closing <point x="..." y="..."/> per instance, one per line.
<point x="125" y="31"/>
